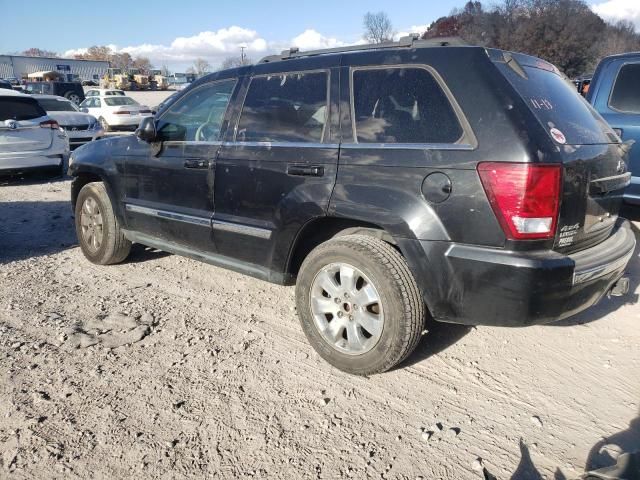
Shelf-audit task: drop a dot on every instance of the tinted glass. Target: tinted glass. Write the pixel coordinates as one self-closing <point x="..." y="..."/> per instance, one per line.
<point x="402" y="105"/>
<point x="289" y="107"/>
<point x="198" y="116"/>
<point x="12" y="108"/>
<point x="626" y="92"/>
<point x="557" y="105"/>
<point x="53" y="105"/>
<point x="117" y="101"/>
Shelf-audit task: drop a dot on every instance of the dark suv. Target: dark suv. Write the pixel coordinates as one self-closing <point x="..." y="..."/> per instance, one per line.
<point x="72" y="91"/>
<point x="386" y="182"/>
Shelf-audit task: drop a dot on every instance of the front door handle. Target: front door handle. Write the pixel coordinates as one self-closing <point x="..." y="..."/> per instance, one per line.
<point x="305" y="171"/>
<point x="196" y="163"/>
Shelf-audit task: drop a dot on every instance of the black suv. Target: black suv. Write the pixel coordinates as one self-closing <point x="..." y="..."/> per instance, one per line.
<point x="386" y="182"/>
<point x="72" y="91"/>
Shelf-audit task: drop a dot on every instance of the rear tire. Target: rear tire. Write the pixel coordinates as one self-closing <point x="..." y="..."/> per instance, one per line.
<point x="73" y="97"/>
<point x="98" y="230"/>
<point x="365" y="286"/>
<point x="105" y="125"/>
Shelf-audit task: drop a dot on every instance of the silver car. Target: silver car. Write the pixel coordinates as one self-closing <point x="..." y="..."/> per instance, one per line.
<point x="81" y="127"/>
<point x="29" y="138"/>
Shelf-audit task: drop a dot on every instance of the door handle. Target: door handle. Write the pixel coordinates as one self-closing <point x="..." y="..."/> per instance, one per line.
<point x="305" y="171"/>
<point x="196" y="163"/>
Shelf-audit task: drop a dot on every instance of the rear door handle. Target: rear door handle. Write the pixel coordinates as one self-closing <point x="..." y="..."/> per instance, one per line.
<point x="305" y="171"/>
<point x="196" y="163"/>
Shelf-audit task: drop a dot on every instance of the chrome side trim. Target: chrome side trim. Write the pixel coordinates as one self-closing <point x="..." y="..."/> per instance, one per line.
<point x="282" y="144"/>
<point x="407" y="146"/>
<point x="201" y="221"/>
<point x="242" y="229"/>
<point x="635" y="180"/>
<point x="625" y="176"/>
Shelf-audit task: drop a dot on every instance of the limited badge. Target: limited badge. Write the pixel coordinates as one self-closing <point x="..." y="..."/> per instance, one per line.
<point x="558" y="136"/>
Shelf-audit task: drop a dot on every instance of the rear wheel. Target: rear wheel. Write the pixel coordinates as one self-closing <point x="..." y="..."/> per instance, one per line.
<point x="98" y="230"/>
<point x="359" y="304"/>
<point x="73" y="97"/>
<point x="105" y="125"/>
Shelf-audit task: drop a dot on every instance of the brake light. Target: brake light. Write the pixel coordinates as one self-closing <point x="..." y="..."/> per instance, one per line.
<point x="525" y="197"/>
<point x="52" y="124"/>
<point x="122" y="112"/>
<point x="145" y="111"/>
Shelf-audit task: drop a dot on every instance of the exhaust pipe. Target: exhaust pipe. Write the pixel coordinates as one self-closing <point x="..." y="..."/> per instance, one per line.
<point x="620" y="288"/>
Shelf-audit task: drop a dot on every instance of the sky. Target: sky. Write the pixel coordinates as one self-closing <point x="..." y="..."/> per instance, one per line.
<point x="176" y="32"/>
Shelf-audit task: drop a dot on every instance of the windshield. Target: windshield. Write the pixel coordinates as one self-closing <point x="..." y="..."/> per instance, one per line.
<point x="55" y="105"/>
<point x="558" y="106"/>
<point x="12" y="108"/>
<point x="117" y="101"/>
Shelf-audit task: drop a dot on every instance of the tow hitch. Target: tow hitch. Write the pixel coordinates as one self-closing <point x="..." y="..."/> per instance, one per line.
<point x="620" y="288"/>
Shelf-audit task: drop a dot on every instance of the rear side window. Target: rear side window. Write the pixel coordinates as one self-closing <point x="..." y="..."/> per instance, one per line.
<point x="402" y="105"/>
<point x="626" y="91"/>
<point x="19" y="109"/>
<point x="288" y="107"/>
<point x="557" y="106"/>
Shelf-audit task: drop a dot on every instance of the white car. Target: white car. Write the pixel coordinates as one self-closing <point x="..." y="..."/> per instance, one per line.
<point x="29" y="138"/>
<point x="81" y="127"/>
<point x="103" y="92"/>
<point x="116" y="112"/>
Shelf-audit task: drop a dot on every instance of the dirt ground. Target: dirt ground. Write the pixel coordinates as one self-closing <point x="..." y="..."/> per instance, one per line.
<point x="164" y="367"/>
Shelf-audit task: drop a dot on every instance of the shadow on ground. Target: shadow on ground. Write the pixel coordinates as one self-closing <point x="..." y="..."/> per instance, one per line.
<point x="32" y="178"/>
<point x="34" y="229"/>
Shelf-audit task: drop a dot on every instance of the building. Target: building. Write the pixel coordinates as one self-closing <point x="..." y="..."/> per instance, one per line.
<point x="20" y="66"/>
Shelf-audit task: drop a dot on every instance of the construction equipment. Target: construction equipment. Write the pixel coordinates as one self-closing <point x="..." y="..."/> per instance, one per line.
<point x="114" y="78"/>
<point x="157" y="81"/>
<point x="138" y="80"/>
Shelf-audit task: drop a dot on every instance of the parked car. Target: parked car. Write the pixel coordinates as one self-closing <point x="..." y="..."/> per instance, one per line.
<point x="385" y="182"/>
<point x="165" y="102"/>
<point x="89" y="83"/>
<point x="70" y="90"/>
<point x="81" y="127"/>
<point x="5" y="84"/>
<point x="103" y="92"/>
<point x="29" y="138"/>
<point x="116" y="112"/>
<point x="615" y="93"/>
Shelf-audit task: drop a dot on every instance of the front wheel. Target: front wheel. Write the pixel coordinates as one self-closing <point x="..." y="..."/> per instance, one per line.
<point x="359" y="304"/>
<point x="99" y="234"/>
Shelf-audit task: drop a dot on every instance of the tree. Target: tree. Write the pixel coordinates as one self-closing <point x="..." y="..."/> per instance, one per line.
<point x="377" y="27"/>
<point x="143" y="64"/>
<point x="38" y="52"/>
<point x="233" y="62"/>
<point x="200" y="67"/>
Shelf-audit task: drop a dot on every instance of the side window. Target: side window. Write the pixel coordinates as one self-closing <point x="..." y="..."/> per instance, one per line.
<point x="401" y="105"/>
<point x="199" y="115"/>
<point x="97" y="103"/>
<point x="288" y="107"/>
<point x="626" y="91"/>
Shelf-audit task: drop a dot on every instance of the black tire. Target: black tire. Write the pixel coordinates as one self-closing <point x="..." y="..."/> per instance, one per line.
<point x="404" y="309"/>
<point x="114" y="247"/>
<point x="105" y="125"/>
<point x="73" y="97"/>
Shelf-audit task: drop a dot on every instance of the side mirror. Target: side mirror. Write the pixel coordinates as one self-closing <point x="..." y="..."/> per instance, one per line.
<point x="147" y="130"/>
<point x="84" y="110"/>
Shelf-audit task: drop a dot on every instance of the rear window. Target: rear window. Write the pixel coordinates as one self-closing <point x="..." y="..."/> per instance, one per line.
<point x="54" y="105"/>
<point x="289" y="107"/>
<point x="19" y="109"/>
<point x="626" y="91"/>
<point x="402" y="105"/>
<point x="558" y="107"/>
<point x="117" y="101"/>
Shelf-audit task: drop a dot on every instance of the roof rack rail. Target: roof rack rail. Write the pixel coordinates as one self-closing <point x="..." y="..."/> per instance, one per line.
<point x="410" y="41"/>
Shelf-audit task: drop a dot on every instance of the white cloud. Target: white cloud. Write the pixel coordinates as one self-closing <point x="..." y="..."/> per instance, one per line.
<point x="226" y="42"/>
<point x="614" y="10"/>
<point x="420" y="29"/>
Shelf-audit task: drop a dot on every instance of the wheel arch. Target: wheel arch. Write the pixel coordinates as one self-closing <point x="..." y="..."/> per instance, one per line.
<point x="85" y="177"/>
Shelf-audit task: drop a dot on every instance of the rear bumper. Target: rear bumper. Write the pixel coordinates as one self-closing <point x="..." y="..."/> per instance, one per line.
<point x="632" y="192"/>
<point x="30" y="162"/>
<point x="487" y="286"/>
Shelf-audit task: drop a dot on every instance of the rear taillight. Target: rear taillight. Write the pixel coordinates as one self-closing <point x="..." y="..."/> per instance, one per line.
<point x="525" y="197"/>
<point x="52" y="124"/>
<point x="122" y="112"/>
<point x="145" y="111"/>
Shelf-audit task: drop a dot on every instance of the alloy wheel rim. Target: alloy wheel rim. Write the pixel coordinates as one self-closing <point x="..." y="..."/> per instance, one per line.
<point x="92" y="224"/>
<point x="346" y="308"/>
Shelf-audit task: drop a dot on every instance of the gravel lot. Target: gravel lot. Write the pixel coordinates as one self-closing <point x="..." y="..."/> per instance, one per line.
<point x="164" y="367"/>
